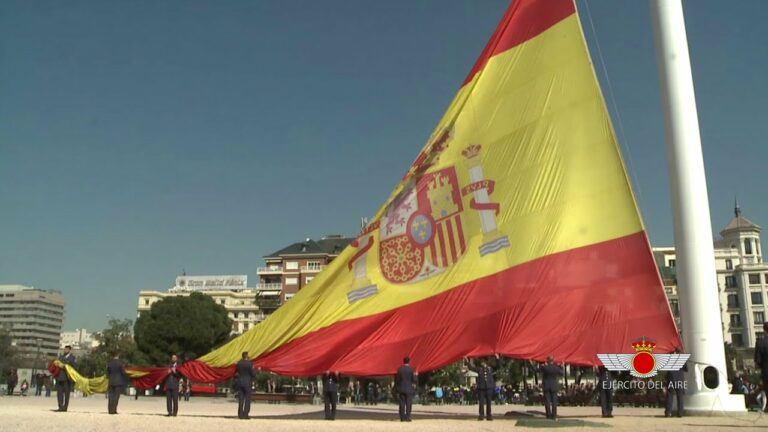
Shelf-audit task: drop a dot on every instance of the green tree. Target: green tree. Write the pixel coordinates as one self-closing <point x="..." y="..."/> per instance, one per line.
<point x="188" y="326"/>
<point x="117" y="337"/>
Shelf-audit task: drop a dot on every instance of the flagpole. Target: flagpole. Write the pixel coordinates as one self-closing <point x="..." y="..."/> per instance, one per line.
<point x="698" y="291"/>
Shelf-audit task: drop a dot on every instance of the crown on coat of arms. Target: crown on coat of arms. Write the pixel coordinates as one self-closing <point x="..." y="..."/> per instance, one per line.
<point x="643" y="346"/>
<point x="472" y="151"/>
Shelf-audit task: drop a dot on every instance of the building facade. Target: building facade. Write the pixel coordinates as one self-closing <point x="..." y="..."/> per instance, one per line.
<point x="34" y="319"/>
<point x="78" y="339"/>
<point x="742" y="279"/>
<point x="290" y="269"/>
<point x="232" y="292"/>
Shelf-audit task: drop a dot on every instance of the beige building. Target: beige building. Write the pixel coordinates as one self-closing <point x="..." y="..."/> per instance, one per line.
<point x="34" y="318"/>
<point x="232" y="292"/>
<point x="78" y="339"/>
<point x="742" y="279"/>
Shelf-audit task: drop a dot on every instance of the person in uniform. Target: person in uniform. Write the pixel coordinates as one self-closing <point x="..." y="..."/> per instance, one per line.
<point x="405" y="383"/>
<point x="172" y="387"/>
<point x="63" y="384"/>
<point x="605" y="390"/>
<point x="12" y="380"/>
<point x="675" y="384"/>
<point x="245" y="376"/>
<point x="330" y="394"/>
<point x="761" y="357"/>
<point x="118" y="379"/>
<point x="550" y="376"/>
<point x="486" y="384"/>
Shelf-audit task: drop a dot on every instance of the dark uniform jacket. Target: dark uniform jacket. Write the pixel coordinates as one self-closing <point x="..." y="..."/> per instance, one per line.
<point x="66" y="359"/>
<point x="331" y="382"/>
<point x="245" y="373"/>
<point x="604" y="379"/>
<point x="405" y="380"/>
<point x="550" y="375"/>
<point x="172" y="382"/>
<point x="486" y="376"/>
<point x="116" y="373"/>
<point x="676" y="379"/>
<point x="761" y="356"/>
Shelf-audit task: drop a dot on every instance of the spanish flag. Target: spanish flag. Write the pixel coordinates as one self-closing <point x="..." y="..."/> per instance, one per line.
<point x="514" y="232"/>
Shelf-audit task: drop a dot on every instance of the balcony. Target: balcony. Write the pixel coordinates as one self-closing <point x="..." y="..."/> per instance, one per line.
<point x="269" y="286"/>
<point x="312" y="269"/>
<point x="269" y="270"/>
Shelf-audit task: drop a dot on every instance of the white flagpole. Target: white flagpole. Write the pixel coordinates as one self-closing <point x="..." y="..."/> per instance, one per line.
<point x="696" y="276"/>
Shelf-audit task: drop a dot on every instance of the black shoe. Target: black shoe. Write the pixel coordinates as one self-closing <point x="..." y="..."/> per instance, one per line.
<point x="489" y="418"/>
<point x="480" y="418"/>
<point x="407" y="420"/>
<point x="679" y="415"/>
<point x="168" y="415"/>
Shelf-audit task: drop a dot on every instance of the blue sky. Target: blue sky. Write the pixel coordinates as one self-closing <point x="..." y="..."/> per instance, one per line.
<point x="139" y="138"/>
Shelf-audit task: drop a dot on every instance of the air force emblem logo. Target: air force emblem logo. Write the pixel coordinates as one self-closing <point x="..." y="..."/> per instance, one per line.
<point x="643" y="363"/>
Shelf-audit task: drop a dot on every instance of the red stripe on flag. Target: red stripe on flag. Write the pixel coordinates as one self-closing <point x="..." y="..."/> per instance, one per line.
<point x="442" y="253"/>
<point x="460" y="233"/>
<point x="451" y="241"/>
<point x="573" y="305"/>
<point x="524" y="20"/>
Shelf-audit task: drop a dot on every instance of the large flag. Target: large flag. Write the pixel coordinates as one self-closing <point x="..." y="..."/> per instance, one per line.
<point x="515" y="232"/>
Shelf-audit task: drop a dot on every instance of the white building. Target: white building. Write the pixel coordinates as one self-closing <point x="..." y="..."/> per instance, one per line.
<point x="79" y="340"/>
<point x="742" y="279"/>
<point x="232" y="292"/>
<point x="34" y="318"/>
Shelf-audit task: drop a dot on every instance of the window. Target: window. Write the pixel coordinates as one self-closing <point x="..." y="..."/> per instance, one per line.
<point x="757" y="298"/>
<point x="291" y="281"/>
<point x="754" y="278"/>
<point x="292" y="265"/>
<point x="735" y="320"/>
<point x="313" y="265"/>
<point x="737" y="339"/>
<point x="674" y="305"/>
<point x="308" y="279"/>
<point x="747" y="246"/>
<point x="733" y="300"/>
<point x="289" y="296"/>
<point x="672" y="263"/>
<point x="146" y="302"/>
<point x="729" y="264"/>
<point x="730" y="282"/>
<point x="766" y="278"/>
<point x="759" y="317"/>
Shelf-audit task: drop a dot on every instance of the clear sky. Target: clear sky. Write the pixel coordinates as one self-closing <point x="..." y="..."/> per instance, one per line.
<point x="141" y="138"/>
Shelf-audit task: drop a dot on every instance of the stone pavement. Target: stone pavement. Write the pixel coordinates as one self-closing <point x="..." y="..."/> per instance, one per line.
<point x="35" y="414"/>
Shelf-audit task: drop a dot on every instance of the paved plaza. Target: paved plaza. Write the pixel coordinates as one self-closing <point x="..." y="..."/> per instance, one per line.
<point x="21" y="414"/>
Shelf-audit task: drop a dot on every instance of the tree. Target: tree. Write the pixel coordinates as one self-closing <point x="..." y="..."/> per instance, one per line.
<point x="188" y="326"/>
<point x="117" y="337"/>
